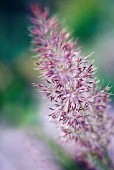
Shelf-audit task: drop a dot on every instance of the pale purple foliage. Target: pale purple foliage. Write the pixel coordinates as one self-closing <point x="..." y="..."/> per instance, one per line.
<point x="77" y="105"/>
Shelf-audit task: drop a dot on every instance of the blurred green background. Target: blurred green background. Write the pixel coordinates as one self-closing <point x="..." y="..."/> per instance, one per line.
<point x="91" y="21"/>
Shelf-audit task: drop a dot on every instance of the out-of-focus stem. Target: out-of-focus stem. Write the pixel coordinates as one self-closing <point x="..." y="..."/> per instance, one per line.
<point x="102" y="162"/>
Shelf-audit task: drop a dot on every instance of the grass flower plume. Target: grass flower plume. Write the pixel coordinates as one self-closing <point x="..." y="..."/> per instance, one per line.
<point x="78" y="106"/>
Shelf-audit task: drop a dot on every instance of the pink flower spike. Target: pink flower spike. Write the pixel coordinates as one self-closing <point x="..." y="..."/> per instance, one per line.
<point x="79" y="107"/>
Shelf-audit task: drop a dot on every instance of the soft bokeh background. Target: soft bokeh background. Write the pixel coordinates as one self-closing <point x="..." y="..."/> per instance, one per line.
<point x="91" y="21"/>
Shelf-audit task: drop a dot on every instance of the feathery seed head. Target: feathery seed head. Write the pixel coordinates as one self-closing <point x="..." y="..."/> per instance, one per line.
<point x="70" y="84"/>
